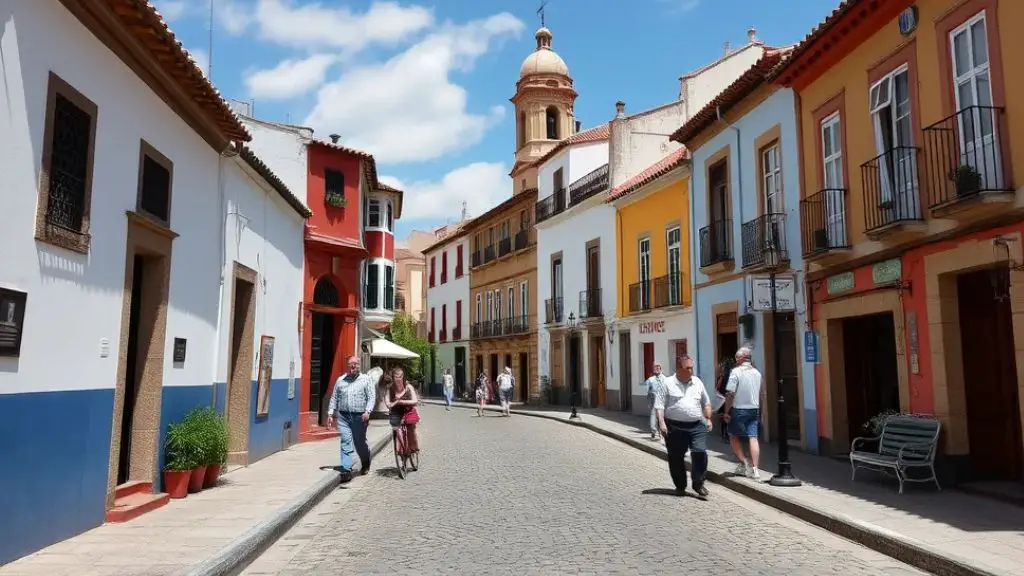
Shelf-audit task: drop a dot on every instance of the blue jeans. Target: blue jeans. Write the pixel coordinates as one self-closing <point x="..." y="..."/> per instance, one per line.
<point x="352" y="432"/>
<point x="653" y="413"/>
<point x="745" y="422"/>
<point x="448" y="397"/>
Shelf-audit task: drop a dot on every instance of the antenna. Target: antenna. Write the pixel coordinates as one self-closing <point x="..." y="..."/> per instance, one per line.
<point x="540" y="11"/>
<point x="465" y="211"/>
<point x="209" y="47"/>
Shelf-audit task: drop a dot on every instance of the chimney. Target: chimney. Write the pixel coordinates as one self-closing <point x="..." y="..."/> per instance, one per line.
<point x="620" y="109"/>
<point x="335" y="138"/>
<point x="578" y="126"/>
<point x="728" y="47"/>
<point x="752" y="35"/>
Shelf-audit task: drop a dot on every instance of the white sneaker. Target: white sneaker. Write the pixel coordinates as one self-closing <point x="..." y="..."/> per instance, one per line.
<point x="741" y="470"/>
<point x="755" y="474"/>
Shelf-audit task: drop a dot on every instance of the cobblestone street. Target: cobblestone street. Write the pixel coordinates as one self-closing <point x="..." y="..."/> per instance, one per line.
<point x="528" y="496"/>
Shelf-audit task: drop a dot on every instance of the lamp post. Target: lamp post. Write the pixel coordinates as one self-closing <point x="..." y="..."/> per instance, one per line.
<point x="784" y="477"/>
<point x="571" y="325"/>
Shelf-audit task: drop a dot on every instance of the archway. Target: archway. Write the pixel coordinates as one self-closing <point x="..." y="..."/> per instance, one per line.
<point x="551" y="121"/>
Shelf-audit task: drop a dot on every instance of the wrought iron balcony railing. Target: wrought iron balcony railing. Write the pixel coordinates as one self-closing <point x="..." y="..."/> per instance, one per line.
<point x="964" y="155"/>
<point x="761" y="235"/>
<point x="504" y="246"/>
<point x="477" y="259"/>
<point x="550" y="206"/>
<point x="716" y="243"/>
<point x="669" y="290"/>
<point x="640" y="296"/>
<point x="590" y="303"/>
<point x="594" y="182"/>
<point x="891" y="191"/>
<point x="553" y="310"/>
<point x="489" y="253"/>
<point x="823" y="222"/>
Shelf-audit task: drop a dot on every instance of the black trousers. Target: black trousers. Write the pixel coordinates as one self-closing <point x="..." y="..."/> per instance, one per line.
<point x="686" y="437"/>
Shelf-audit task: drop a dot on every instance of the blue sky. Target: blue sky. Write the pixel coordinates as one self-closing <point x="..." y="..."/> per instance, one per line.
<point x="425" y="86"/>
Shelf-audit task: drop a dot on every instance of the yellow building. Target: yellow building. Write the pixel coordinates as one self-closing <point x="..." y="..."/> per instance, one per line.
<point x="652" y="226"/>
<point x="502" y="286"/>
<point x="911" y="221"/>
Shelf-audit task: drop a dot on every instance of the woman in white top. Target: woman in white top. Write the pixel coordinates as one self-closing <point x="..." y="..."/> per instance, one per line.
<point x="505" y="385"/>
<point x="449" y="388"/>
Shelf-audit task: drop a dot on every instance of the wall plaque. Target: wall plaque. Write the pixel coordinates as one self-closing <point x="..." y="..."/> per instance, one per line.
<point x="12" y="321"/>
<point x="180" y="345"/>
<point x="840" y="283"/>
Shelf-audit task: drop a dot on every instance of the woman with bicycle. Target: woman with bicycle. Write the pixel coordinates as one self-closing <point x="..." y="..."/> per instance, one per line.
<point x="401" y="400"/>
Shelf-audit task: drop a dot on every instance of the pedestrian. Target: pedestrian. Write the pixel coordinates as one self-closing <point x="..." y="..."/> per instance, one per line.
<point x="505" y="385"/>
<point x="449" y="388"/>
<point x="353" y="399"/>
<point x="481" y="393"/>
<point x="725" y="371"/>
<point x="401" y="400"/>
<point x="684" y="418"/>
<point x="743" y="412"/>
<point x="654" y="383"/>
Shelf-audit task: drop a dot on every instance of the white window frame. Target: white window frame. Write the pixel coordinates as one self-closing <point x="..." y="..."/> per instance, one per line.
<point x="675" y="265"/>
<point x="497" y="304"/>
<point x="835" y="199"/>
<point x="898" y="190"/>
<point x="771" y="179"/>
<point x="511" y="302"/>
<point x="479" y="308"/>
<point x="370" y="204"/>
<point x="981" y="126"/>
<point x="490" y="305"/>
<point x="524" y="298"/>
<point x="644" y="261"/>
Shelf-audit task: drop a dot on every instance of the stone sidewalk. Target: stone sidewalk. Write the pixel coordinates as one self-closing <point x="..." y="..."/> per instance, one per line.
<point x="947" y="532"/>
<point x="229" y="524"/>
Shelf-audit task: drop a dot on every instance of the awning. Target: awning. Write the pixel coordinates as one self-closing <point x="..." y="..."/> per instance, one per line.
<point x="381" y="348"/>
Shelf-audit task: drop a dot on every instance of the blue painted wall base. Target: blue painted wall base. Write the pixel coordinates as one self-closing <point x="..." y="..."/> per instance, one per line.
<point x="279" y="429"/>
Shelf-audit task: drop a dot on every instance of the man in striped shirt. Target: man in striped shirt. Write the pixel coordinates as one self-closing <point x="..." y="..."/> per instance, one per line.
<point x="353" y="399"/>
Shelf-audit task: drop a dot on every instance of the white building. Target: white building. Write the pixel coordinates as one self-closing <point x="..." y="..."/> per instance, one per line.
<point x="113" y="297"/>
<point x="448" y="301"/>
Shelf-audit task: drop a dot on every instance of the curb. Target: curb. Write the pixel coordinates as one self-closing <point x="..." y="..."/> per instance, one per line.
<point x="236" y="556"/>
<point x="890" y="544"/>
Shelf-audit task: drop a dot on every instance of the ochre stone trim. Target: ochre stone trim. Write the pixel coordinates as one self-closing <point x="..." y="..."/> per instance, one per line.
<point x="239" y="375"/>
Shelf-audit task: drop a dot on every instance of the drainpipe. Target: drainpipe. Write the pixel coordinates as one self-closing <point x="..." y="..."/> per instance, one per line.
<point x="739" y="190"/>
<point x="227" y="152"/>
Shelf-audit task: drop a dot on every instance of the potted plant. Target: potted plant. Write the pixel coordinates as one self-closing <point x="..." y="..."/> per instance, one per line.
<point x="334" y="199"/>
<point x="214" y="435"/>
<point x="966" y="179"/>
<point x="181" y="458"/>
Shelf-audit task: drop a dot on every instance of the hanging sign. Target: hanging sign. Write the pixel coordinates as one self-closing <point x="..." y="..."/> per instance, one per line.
<point x="811" y="347"/>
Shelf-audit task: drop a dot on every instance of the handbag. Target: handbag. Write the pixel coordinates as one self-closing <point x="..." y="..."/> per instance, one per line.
<point x="411" y="417"/>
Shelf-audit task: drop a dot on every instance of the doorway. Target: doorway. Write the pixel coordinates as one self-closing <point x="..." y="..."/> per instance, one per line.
<point x="321" y="359"/>
<point x="240" y="356"/>
<point x="133" y="361"/>
<point x="574" y="370"/>
<point x="990" y="367"/>
<point x="625" y="372"/>
<point x="788" y="372"/>
<point x="524" y="377"/>
<point x="648" y="351"/>
<point x="870" y="365"/>
<point x="597" y="383"/>
<point x="460" y="370"/>
<point x="492" y="375"/>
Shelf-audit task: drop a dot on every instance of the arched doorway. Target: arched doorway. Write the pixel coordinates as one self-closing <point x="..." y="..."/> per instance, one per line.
<point x="321" y="350"/>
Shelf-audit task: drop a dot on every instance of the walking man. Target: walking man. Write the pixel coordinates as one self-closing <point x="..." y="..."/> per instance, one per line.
<point x="449" y="388"/>
<point x="743" y="412"/>
<point x="654" y="383"/>
<point x="353" y="399"/>
<point x="684" y="418"/>
<point x="505" y="384"/>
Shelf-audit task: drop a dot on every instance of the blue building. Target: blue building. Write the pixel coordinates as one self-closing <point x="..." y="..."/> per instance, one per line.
<point x="745" y="204"/>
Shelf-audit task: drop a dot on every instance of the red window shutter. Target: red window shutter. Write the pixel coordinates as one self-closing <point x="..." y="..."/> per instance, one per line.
<point x="431" y="320"/>
<point x="444" y="317"/>
<point x="444" y="267"/>
<point x="458" y="311"/>
<point x="433" y="268"/>
<point x="458" y="261"/>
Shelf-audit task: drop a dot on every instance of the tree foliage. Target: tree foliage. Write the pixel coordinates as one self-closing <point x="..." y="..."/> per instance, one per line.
<point x="403" y="332"/>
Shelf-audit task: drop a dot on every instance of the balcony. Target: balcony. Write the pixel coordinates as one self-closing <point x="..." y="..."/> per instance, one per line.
<point x="484" y="329"/>
<point x="553" y="310"/>
<point x="892" y="196"/>
<point x="477" y="259"/>
<point x="716" y="246"/>
<point x="590" y="303"/>
<point x="762" y="234"/>
<point x="669" y="291"/>
<point x="823" y="223"/>
<point x="457" y="334"/>
<point x="967" y="172"/>
<point x="640" y="296"/>
<point x="522" y="238"/>
<point x="504" y="247"/>
<point x="444" y="335"/>
<point x="594" y="182"/>
<point x="489" y="254"/>
<point x="521" y="324"/>
<point x="551" y="206"/>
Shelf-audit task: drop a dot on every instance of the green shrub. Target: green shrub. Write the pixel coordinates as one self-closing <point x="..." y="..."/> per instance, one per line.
<point x="181" y="448"/>
<point x="211" y="433"/>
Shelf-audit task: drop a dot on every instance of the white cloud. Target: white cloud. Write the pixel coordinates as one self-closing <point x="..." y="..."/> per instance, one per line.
<point x="482" y="185"/>
<point x="289" y="78"/>
<point x="407" y="109"/>
<point x="172" y="9"/>
<point x="679" y="6"/>
<point x="201" y="58"/>
<point x="316" y="25"/>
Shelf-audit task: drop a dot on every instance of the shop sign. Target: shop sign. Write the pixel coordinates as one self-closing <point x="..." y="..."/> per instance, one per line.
<point x="811" y="347"/>
<point x="652" y="327"/>
<point x="907" y="21"/>
<point x="840" y="283"/>
<point x="886" y="272"/>
<point x="785" y="293"/>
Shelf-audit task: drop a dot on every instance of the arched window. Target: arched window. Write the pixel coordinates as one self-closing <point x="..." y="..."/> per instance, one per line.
<point x="552" y="123"/>
<point x="521" y="131"/>
<point x="325" y="293"/>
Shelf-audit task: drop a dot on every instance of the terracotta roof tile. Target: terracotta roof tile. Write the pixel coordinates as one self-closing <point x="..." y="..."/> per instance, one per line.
<point x="816" y="33"/>
<point x="755" y="76"/>
<point x="456" y="230"/>
<point x="590" y="135"/>
<point x="149" y="27"/>
<point x="371" y="166"/>
<point x="649" y="174"/>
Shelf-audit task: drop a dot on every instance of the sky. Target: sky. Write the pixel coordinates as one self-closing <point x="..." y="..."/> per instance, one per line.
<point x="424" y="85"/>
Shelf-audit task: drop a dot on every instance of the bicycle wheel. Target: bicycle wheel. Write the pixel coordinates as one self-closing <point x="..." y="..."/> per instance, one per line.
<point x="398" y="446"/>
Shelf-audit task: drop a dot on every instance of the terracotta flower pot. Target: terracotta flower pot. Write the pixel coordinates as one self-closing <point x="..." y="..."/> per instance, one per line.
<point x="195" y="482"/>
<point x="176" y="482"/>
<point x="212" y="473"/>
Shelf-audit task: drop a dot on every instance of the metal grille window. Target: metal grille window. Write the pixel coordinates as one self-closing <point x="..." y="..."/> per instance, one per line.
<point x="334" y="183"/>
<point x="69" y="166"/>
<point x="373" y="214"/>
<point x="155" y="195"/>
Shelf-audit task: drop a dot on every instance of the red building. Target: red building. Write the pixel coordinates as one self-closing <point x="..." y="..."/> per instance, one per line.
<point x="350" y="271"/>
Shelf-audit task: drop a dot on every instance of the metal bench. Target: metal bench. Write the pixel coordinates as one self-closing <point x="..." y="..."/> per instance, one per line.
<point x="905" y="442"/>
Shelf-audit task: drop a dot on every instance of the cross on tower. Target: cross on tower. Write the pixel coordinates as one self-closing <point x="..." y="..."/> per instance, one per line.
<point x="540" y="12"/>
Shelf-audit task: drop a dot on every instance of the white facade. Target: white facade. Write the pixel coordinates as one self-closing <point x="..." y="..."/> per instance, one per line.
<point x="284" y="148"/>
<point x="444" y="300"/>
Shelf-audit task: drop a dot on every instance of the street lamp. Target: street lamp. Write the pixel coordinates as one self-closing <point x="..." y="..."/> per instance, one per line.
<point x="784" y="477"/>
<point x="571" y="325"/>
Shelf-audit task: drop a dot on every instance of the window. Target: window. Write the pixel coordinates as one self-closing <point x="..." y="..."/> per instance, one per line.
<point x="458" y="261"/>
<point x="889" y="101"/>
<point x="334" y="183"/>
<point x="524" y="220"/>
<point x="771" y="178"/>
<point x="490" y="237"/>
<point x="551" y="122"/>
<point x="556" y="279"/>
<point x="372" y="286"/>
<point x="67" y="167"/>
<point x="497" y="304"/>
<point x="389" y="287"/>
<point x="979" y="144"/>
<point x="154" y="184"/>
<point x="444" y="267"/>
<point x="433" y="269"/>
<point x="645" y="273"/>
<point x="511" y="302"/>
<point x="373" y="214"/>
<point x="458" y="317"/>
<point x="391" y="220"/>
<point x="479" y="312"/>
<point x="557" y="181"/>
<point x="718" y="190"/>
<point x="521" y="130"/>
<point x="504" y="230"/>
<point x="673" y="241"/>
<point x="490" y="305"/>
<point x="524" y="301"/>
<point x="832" y="156"/>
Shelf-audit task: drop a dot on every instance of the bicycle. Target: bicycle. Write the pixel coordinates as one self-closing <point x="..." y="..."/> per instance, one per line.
<point x="405" y="459"/>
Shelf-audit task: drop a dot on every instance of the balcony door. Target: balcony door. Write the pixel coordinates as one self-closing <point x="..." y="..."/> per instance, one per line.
<point x="979" y="143"/>
<point x="894" y="142"/>
<point x="556" y="289"/>
<point x="593" y="294"/>
<point x="645" y="274"/>
<point x="673" y="239"/>
<point x="835" y="199"/>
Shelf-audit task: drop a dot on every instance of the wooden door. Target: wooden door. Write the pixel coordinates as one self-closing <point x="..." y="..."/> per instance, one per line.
<point x="681" y="350"/>
<point x="648" y="360"/>
<point x="597" y="376"/>
<point x="625" y="372"/>
<point x="990" y="379"/>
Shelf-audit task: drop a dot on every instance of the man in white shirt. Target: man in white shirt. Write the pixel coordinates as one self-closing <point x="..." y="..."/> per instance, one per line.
<point x="653" y="384"/>
<point x="449" y="388"/>
<point x="684" y="418"/>
<point x="505" y="384"/>
<point x="743" y="397"/>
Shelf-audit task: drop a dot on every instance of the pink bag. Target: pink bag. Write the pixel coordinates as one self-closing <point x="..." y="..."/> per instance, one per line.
<point x="411" y="417"/>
